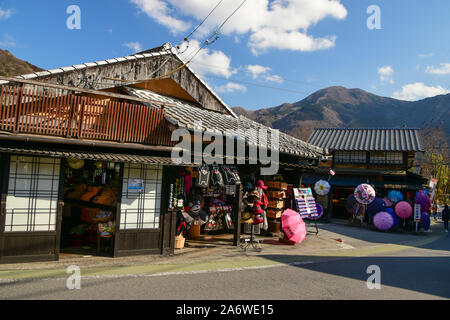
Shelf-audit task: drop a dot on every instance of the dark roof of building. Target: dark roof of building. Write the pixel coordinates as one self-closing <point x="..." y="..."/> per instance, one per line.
<point x="186" y="115"/>
<point x="368" y="139"/>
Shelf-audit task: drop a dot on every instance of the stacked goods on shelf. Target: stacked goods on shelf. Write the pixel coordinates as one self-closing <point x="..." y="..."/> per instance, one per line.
<point x="276" y="195"/>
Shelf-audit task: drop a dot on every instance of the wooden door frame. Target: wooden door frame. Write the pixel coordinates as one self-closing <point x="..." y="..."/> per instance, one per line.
<point x="118" y="210"/>
<point x="61" y="185"/>
<point x="4" y="176"/>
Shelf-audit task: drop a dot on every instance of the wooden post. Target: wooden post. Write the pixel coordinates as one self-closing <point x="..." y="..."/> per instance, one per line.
<point x="18" y="108"/>
<point x="237" y="215"/>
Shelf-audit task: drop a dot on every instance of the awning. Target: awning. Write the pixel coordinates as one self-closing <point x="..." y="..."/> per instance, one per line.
<point x="112" y="157"/>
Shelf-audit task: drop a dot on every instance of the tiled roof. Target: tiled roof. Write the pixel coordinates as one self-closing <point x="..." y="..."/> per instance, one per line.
<point x="184" y="114"/>
<point x="368" y="139"/>
<point x="113" y="157"/>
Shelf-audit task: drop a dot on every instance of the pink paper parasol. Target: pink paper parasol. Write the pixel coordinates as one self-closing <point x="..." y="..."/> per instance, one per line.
<point x="388" y="202"/>
<point x="403" y="210"/>
<point x="293" y="226"/>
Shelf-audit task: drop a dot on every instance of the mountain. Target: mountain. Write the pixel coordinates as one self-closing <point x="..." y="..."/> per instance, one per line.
<point x="352" y="108"/>
<point x="12" y="66"/>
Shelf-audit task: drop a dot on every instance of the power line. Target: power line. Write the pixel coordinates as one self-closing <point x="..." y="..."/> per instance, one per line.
<point x="204" y="20"/>
<point x="261" y="85"/>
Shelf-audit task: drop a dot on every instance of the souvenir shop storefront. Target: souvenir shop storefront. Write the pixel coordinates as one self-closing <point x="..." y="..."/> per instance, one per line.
<point x="220" y="203"/>
<point x="62" y="203"/>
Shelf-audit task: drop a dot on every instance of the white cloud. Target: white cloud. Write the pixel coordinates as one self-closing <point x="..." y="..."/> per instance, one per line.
<point x="160" y="11"/>
<point x="7" y="41"/>
<point x="208" y="61"/>
<point x="134" y="46"/>
<point x="426" y="55"/>
<point x="231" y="87"/>
<point x="417" y="91"/>
<point x="386" y="73"/>
<point x="5" y="14"/>
<point x="270" y="24"/>
<point x="258" y="71"/>
<point x="444" y="69"/>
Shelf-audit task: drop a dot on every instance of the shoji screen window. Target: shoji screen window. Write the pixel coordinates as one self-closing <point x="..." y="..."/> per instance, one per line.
<point x="32" y="199"/>
<point x="141" y="197"/>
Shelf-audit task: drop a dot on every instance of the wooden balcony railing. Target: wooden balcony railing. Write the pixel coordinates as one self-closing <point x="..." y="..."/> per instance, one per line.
<point x="64" y="114"/>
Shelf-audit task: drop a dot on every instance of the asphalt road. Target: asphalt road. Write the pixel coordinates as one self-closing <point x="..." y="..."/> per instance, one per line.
<point x="414" y="273"/>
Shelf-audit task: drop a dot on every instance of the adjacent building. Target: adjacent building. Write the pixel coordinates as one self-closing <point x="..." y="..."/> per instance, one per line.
<point x="382" y="157"/>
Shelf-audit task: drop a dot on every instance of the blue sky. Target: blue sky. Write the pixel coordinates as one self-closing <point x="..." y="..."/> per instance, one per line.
<point x="296" y="46"/>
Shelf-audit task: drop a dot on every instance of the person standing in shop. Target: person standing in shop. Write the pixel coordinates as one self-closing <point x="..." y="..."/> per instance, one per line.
<point x="445" y="217"/>
<point x="260" y="188"/>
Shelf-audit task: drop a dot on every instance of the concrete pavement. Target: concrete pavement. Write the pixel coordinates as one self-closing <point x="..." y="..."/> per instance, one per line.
<point x="353" y="242"/>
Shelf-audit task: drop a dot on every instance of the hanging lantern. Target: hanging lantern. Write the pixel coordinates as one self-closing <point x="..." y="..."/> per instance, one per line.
<point x="75" y="164"/>
<point x="322" y="188"/>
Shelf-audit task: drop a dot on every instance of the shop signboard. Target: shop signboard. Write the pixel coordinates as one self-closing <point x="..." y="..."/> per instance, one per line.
<point x="432" y="185"/>
<point x="135" y="185"/>
<point x="306" y="204"/>
<point x="417" y="212"/>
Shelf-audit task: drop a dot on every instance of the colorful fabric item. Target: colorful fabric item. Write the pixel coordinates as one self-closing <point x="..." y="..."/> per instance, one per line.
<point x="260" y="184"/>
<point x="364" y="194"/>
<point x="203" y="177"/>
<point x="216" y="177"/>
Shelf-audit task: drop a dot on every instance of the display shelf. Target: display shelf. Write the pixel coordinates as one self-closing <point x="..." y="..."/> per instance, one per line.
<point x="90" y="204"/>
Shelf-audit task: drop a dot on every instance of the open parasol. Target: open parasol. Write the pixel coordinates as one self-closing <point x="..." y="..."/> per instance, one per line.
<point x="322" y="187"/>
<point x="395" y="196"/>
<point x="383" y="221"/>
<point x="364" y="194"/>
<point x="293" y="226"/>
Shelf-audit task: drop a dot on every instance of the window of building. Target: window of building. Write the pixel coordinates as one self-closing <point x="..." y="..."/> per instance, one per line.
<point x="386" y="158"/>
<point x="350" y="157"/>
<point x="32" y="199"/>
<point x="141" y="194"/>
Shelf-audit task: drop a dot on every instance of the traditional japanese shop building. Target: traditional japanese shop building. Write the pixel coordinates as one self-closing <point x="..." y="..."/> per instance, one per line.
<point x="382" y="157"/>
<point x="86" y="155"/>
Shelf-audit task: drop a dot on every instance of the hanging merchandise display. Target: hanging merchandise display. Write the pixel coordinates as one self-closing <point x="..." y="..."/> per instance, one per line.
<point x="395" y="196"/>
<point x="383" y="221"/>
<point x="205" y="199"/>
<point x="203" y="177"/>
<point x="403" y="210"/>
<point x="216" y="177"/>
<point x="322" y="187"/>
<point x="364" y="194"/>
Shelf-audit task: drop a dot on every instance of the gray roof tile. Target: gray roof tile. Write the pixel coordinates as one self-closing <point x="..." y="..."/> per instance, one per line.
<point x="368" y="139"/>
<point x="185" y="115"/>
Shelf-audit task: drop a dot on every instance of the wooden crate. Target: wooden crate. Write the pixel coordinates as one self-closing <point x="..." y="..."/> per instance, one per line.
<point x="276" y="194"/>
<point x="274" y="213"/>
<point x="276" y="204"/>
<point x="277" y="185"/>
